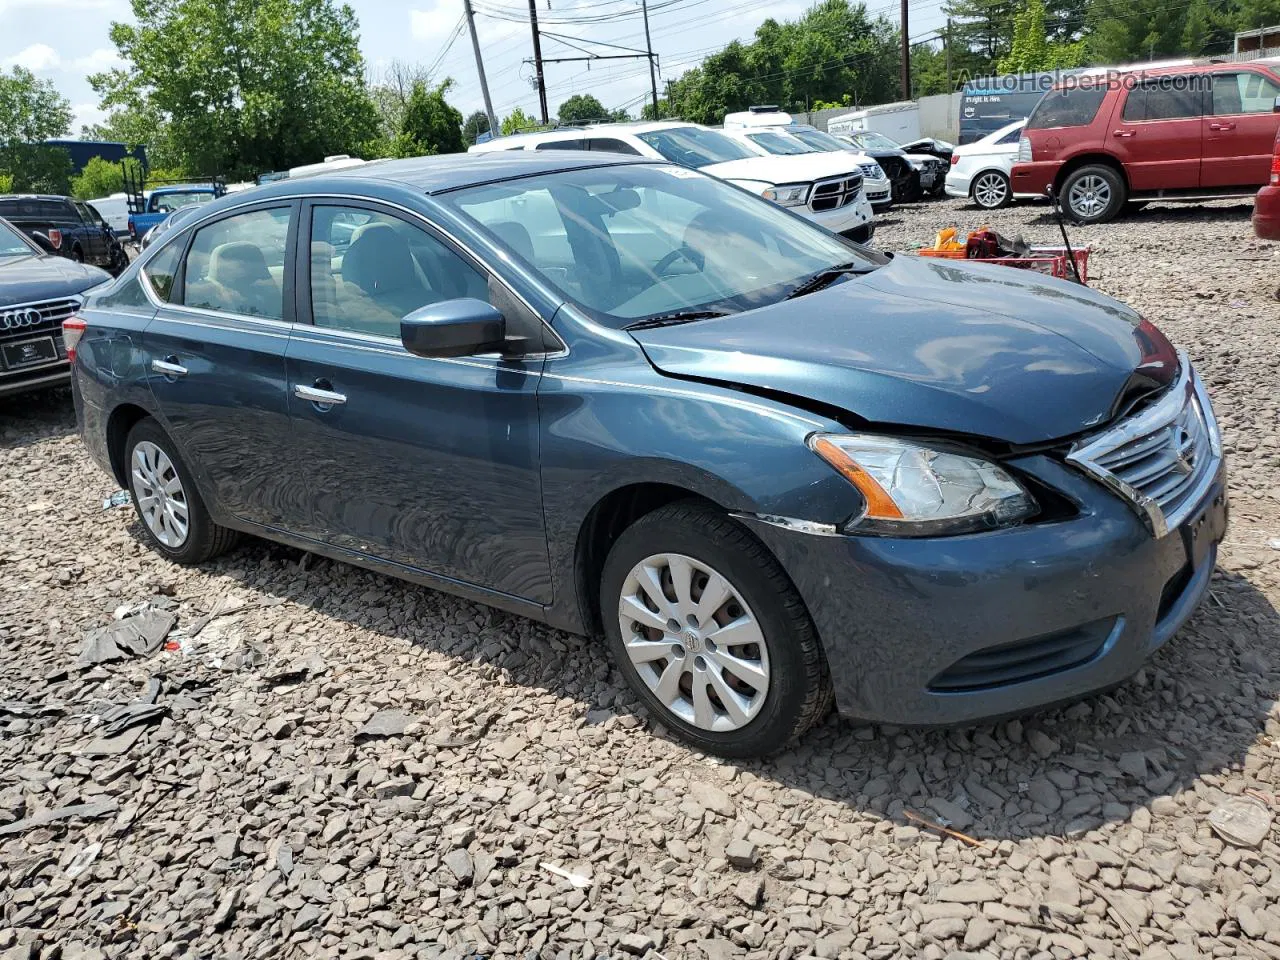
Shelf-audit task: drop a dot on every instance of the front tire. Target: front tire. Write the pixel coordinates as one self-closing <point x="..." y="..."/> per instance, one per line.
<point x="174" y="518"/>
<point x="1093" y="194"/>
<point x="711" y="634"/>
<point x="991" y="190"/>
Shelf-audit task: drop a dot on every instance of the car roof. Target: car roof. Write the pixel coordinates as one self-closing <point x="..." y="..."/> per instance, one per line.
<point x="33" y="196"/>
<point x="512" y="141"/>
<point x="183" y="188"/>
<point x="442" y="173"/>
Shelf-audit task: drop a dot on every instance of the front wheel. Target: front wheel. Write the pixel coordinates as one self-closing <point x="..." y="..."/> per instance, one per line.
<point x="1093" y="194"/>
<point x="991" y="190"/>
<point x="710" y="633"/>
<point x="174" y="517"/>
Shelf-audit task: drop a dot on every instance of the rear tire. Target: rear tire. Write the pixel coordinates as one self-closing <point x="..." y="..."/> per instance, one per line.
<point x="77" y="255"/>
<point x="173" y="515"/>
<point x="663" y="582"/>
<point x="1093" y="194"/>
<point x="991" y="190"/>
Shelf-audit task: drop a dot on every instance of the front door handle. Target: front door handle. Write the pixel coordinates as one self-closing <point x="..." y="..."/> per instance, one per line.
<point x="1222" y="126"/>
<point x="169" y="366"/>
<point x="1122" y="134"/>
<point x="319" y="395"/>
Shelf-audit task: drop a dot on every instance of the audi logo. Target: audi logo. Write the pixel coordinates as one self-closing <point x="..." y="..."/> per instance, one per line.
<point x="20" y="319"/>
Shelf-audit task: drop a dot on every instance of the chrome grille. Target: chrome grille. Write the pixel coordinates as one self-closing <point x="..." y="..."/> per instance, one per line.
<point x="22" y="321"/>
<point x="833" y="194"/>
<point x="872" y="171"/>
<point x="1164" y="459"/>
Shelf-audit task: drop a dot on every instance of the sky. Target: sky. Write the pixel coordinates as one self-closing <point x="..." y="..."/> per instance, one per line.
<point x="66" y="40"/>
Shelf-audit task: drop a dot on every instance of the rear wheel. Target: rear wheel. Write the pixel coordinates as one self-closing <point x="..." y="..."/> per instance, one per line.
<point x="174" y="517"/>
<point x="1093" y="194"/>
<point x="711" y="634"/>
<point x="991" y="190"/>
<point x="77" y="255"/>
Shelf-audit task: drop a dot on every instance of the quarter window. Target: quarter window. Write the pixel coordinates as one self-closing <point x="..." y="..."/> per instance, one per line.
<point x="369" y="269"/>
<point x="560" y="145"/>
<point x="1245" y="92"/>
<point x="236" y="265"/>
<point x="1070" y="107"/>
<point x="161" y="269"/>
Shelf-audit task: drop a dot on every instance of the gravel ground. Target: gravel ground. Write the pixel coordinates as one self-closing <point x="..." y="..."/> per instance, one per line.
<point x="333" y="763"/>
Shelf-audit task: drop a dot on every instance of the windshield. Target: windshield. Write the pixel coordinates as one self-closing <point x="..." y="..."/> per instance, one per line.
<point x="168" y="202"/>
<point x="12" y="243"/>
<point x="632" y="242"/>
<point x="694" y="146"/>
<point x="820" y="141"/>
<point x="779" y="143"/>
<point x="874" y="141"/>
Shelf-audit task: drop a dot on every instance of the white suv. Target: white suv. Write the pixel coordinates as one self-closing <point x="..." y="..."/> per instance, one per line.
<point x="793" y="140"/>
<point x="821" y="187"/>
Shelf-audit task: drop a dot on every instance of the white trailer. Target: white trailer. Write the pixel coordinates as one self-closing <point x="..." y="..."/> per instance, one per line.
<point x="899" y="122"/>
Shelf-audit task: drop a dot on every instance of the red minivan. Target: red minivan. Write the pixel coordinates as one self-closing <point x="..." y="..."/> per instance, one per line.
<point x="1102" y="139"/>
<point x="1266" y="209"/>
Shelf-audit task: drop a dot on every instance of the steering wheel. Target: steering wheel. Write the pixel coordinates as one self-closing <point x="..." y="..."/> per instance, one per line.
<point x="682" y="252"/>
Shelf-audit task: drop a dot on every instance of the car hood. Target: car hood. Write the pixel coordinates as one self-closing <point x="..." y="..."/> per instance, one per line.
<point x="952" y="347"/>
<point x="796" y="168"/>
<point x="33" y="278"/>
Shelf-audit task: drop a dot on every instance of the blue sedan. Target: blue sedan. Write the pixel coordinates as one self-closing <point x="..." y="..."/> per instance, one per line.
<point x="772" y="468"/>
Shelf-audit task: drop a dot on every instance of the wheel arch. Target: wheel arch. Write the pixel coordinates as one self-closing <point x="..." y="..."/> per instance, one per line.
<point x="1087" y="159"/>
<point x="604" y="523"/>
<point x="123" y="419"/>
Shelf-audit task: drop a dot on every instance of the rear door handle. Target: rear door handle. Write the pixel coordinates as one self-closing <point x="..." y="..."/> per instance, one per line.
<point x="1122" y="134"/>
<point x="1222" y="126"/>
<point x="318" y="395"/>
<point x="169" y="366"/>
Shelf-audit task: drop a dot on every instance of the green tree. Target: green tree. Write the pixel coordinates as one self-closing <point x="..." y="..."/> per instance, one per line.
<point x="517" y="121"/>
<point x="474" y="126"/>
<point x="582" y="108"/>
<point x="137" y="126"/>
<point x="1031" y="50"/>
<point x="243" y="85"/>
<point x="99" y="178"/>
<point x="32" y="111"/>
<point x="430" y="122"/>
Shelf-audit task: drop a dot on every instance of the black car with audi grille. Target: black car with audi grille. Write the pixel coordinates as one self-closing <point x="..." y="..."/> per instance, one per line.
<point x="38" y="291"/>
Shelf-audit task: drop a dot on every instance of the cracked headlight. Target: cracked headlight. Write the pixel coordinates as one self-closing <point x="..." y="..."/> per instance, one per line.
<point x="915" y="491"/>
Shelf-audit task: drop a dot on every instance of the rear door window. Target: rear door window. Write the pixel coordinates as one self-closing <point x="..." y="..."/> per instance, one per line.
<point x="236" y="265"/>
<point x="560" y="145"/>
<point x="1165" y="98"/>
<point x="612" y="145"/>
<point x="1072" y="107"/>
<point x="29" y="208"/>
<point x="1244" y="92"/>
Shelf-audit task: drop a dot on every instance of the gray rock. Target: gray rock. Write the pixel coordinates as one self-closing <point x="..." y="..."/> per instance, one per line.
<point x="460" y="865"/>
<point x="977" y="892"/>
<point x="742" y="853"/>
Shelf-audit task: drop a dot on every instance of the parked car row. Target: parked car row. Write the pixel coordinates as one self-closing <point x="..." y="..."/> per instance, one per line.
<point x="67" y="227"/>
<point x="622" y="396"/>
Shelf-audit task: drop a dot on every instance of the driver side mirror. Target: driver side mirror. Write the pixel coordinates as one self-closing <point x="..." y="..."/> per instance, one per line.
<point x="453" y="328"/>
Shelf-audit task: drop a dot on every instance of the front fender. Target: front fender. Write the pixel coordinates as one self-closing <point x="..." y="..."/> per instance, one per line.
<point x="613" y="427"/>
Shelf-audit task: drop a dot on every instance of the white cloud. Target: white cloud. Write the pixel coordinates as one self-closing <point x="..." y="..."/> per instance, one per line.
<point x="84" y="113"/>
<point x="104" y="58"/>
<point x="37" y="57"/>
<point x="115" y="6"/>
<point x="435" y="25"/>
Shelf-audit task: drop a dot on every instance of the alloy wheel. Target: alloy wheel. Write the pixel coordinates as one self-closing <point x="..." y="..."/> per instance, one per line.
<point x="990" y="190"/>
<point x="1089" y="197"/>
<point x="694" y="642"/>
<point x="161" y="500"/>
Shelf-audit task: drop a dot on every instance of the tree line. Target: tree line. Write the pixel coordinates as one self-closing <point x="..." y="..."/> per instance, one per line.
<point x="235" y="88"/>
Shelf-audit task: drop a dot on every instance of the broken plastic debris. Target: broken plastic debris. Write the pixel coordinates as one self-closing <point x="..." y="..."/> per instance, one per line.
<point x="83" y="860"/>
<point x="121" y="498"/>
<point x="574" y="879"/>
<point x="136" y="634"/>
<point x="1242" y="821"/>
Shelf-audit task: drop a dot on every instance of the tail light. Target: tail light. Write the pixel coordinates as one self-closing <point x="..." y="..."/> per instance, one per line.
<point x="1275" y="163"/>
<point x="73" y="329"/>
<point x="954" y="159"/>
<point x="1024" y="150"/>
<point x="55" y="238"/>
<point x="133" y="229"/>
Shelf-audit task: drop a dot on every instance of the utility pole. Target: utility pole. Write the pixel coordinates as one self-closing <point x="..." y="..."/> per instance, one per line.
<point x="537" y="59"/>
<point x="906" y="55"/>
<point x="653" y="80"/>
<point x="947" y="44"/>
<point x="484" y="84"/>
